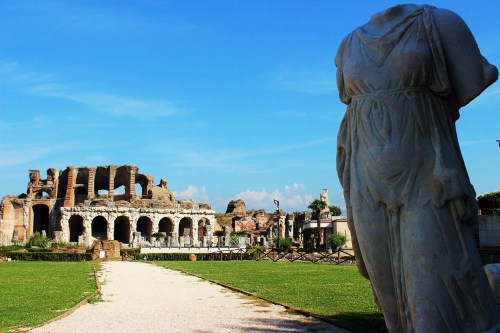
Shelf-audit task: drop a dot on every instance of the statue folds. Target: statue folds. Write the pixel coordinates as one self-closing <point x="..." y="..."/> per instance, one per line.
<point x="404" y="76"/>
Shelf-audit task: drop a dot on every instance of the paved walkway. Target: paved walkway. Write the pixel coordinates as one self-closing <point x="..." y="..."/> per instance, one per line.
<point x="139" y="297"/>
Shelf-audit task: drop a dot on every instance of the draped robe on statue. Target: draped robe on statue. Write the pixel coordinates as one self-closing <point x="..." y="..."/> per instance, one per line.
<point x="409" y="199"/>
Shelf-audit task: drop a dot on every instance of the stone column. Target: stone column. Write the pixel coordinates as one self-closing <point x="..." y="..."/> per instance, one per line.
<point x="111" y="225"/>
<point x="111" y="185"/>
<point x="87" y="229"/>
<point x="194" y="231"/>
<point x="175" y="231"/>
<point x="133" y="217"/>
<point x="69" y="199"/>
<point x="27" y="220"/>
<point x="131" y="187"/>
<point x="65" y="225"/>
<point x="91" y="187"/>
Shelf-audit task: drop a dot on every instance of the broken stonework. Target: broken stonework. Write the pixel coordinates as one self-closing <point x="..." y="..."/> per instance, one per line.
<point x="115" y="202"/>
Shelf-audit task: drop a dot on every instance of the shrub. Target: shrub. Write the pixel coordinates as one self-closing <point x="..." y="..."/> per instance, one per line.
<point x="49" y="256"/>
<point x="489" y="203"/>
<point x="285" y="243"/>
<point x="338" y="240"/>
<point x="7" y="248"/>
<point x="169" y="256"/>
<point x="37" y="239"/>
<point x="39" y="250"/>
<point x="309" y="236"/>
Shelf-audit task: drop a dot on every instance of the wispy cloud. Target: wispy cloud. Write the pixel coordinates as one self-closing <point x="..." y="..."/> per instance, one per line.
<point x="304" y="80"/>
<point x="231" y="160"/>
<point x="48" y="85"/>
<point x="293" y="197"/>
<point x="17" y="157"/>
<point x="80" y="18"/>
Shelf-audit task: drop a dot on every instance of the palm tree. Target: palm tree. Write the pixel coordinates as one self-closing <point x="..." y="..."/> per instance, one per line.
<point x="318" y="206"/>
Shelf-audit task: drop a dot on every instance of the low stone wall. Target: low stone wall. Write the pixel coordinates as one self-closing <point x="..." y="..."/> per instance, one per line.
<point x="489" y="230"/>
<point x="188" y="249"/>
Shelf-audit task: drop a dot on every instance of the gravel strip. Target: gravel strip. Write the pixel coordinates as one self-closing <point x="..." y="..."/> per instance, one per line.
<point x="139" y="297"/>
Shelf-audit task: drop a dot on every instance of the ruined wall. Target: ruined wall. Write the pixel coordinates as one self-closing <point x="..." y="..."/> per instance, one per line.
<point x="66" y="203"/>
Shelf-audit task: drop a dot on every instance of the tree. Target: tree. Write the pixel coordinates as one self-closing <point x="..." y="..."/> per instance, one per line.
<point x="335" y="210"/>
<point x="317" y="206"/>
<point x="338" y="240"/>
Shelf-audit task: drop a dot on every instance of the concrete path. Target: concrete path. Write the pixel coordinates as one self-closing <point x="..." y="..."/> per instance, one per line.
<point x="139" y="297"/>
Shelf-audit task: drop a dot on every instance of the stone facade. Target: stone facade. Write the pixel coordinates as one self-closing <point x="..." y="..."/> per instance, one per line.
<point x="116" y="202"/>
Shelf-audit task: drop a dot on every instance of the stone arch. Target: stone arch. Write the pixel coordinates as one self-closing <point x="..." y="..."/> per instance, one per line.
<point x="80" y="194"/>
<point x="76" y="227"/>
<point x="99" y="227"/>
<point x="185" y="227"/>
<point x="145" y="226"/>
<point x="166" y="225"/>
<point x="122" y="182"/>
<point x="101" y="182"/>
<point x="143" y="181"/>
<point x="41" y="218"/>
<point x="122" y="229"/>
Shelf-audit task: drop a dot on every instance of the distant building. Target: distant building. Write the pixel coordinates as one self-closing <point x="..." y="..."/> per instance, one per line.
<point x="115" y="202"/>
<point x="329" y="224"/>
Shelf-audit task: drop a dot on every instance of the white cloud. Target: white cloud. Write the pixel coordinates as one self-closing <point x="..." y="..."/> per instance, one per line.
<point x="192" y="193"/>
<point x="47" y="85"/>
<point x="21" y="156"/>
<point x="305" y="80"/>
<point x="291" y="197"/>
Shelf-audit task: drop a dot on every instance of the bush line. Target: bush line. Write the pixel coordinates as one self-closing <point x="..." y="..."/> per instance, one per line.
<point x="47" y="256"/>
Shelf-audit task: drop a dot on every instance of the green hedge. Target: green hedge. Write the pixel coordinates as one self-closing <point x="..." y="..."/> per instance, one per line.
<point x="40" y="250"/>
<point x="47" y="256"/>
<point x="170" y="256"/>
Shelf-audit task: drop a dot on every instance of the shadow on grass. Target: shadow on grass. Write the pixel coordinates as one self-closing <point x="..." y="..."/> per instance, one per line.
<point x="360" y="322"/>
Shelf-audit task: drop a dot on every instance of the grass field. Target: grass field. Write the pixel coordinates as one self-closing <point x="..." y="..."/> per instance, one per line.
<point x="34" y="292"/>
<point x="337" y="293"/>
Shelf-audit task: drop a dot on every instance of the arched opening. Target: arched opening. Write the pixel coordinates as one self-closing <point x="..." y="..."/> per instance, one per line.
<point x="102" y="193"/>
<point x="138" y="190"/>
<point x="122" y="182"/>
<point x="41" y="219"/>
<point x="120" y="193"/>
<point x="80" y="195"/>
<point x="166" y="225"/>
<point x="202" y="227"/>
<point x="101" y="182"/>
<point x="42" y="194"/>
<point x="145" y="226"/>
<point x="141" y="185"/>
<point x="185" y="227"/>
<point x="122" y="229"/>
<point x="99" y="228"/>
<point x="185" y="231"/>
<point x="75" y="227"/>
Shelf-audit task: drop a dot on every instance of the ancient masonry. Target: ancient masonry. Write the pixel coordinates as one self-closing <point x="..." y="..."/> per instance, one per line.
<point x="115" y="202"/>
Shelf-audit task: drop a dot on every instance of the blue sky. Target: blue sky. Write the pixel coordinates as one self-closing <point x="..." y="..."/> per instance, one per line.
<point x="224" y="99"/>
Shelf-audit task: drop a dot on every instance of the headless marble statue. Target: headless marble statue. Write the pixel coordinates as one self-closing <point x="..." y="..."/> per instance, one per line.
<point x="404" y="76"/>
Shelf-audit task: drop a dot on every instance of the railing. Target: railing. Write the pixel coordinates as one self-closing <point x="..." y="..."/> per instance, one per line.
<point x="189" y="242"/>
<point x="338" y="257"/>
<point x="344" y="256"/>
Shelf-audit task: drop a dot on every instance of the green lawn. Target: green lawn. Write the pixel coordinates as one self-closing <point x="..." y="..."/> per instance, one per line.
<point x="337" y="293"/>
<point x="32" y="292"/>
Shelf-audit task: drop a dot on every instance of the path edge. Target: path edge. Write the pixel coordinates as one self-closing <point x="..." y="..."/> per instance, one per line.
<point x="78" y="305"/>
<point x="288" y="307"/>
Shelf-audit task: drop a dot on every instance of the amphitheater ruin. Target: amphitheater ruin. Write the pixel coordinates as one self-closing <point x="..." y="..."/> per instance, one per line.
<point x="114" y="202"/>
